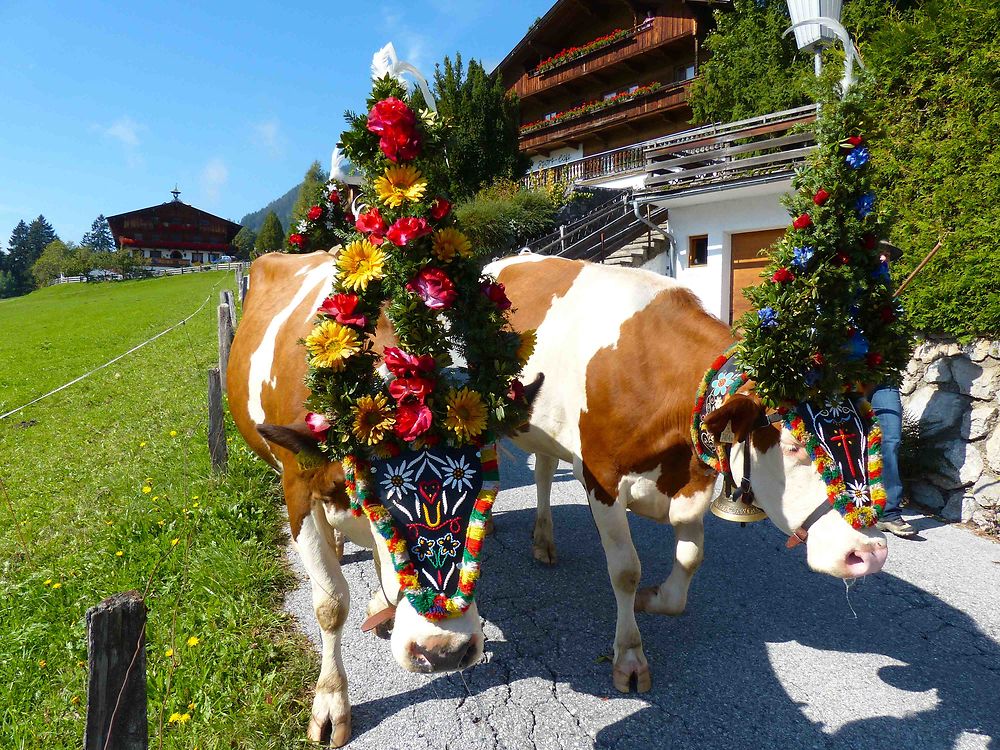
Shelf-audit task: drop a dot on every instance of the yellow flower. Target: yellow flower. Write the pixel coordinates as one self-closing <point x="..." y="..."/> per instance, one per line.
<point x="400" y="183"/>
<point x="527" y="346"/>
<point x="191" y="706"/>
<point x="361" y="263"/>
<point x="81" y="663"/>
<point x="75" y="700"/>
<point x="57" y="585"/>
<point x="196" y="505"/>
<point x="194" y="497"/>
<point x="194" y="640"/>
<point x="178" y="718"/>
<point x="146" y="489"/>
<point x="47" y="582"/>
<point x="155" y="498"/>
<point x="372" y="417"/>
<point x="330" y="343"/>
<point x="119" y="553"/>
<point x="173" y="542"/>
<point x="168" y="653"/>
<point x="173" y="433"/>
<point x="466" y="414"/>
<point x="109" y="523"/>
<point x="161" y="522"/>
<point x="142" y="444"/>
<point x="450" y="242"/>
<point x="42" y="663"/>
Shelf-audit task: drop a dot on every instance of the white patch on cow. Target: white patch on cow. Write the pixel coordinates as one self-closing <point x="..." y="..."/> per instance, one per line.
<point x="573" y="331"/>
<point x="845" y="673"/>
<point x="493" y="269"/>
<point x="316" y="282"/>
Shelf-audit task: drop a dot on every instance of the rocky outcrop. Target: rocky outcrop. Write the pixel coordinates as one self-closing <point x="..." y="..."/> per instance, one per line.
<point x="950" y="393"/>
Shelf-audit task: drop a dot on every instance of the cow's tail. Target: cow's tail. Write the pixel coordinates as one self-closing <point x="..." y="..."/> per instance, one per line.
<point x="530" y="394"/>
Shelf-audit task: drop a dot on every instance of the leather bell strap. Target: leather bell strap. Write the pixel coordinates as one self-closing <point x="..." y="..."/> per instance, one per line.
<point x="802" y="532"/>
<point x="378" y="618"/>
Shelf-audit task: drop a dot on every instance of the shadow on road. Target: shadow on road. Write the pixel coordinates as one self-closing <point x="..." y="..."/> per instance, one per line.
<point x="759" y="627"/>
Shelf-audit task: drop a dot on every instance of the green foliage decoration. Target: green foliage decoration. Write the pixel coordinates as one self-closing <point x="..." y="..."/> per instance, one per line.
<point x="825" y="317"/>
<point x="310" y="194"/>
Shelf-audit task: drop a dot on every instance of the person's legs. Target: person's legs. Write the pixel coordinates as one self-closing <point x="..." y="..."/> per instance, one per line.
<point x="889" y="410"/>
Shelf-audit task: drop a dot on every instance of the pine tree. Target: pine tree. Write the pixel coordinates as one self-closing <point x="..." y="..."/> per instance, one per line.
<point x="272" y="236"/>
<point x="244" y="242"/>
<point x="99" y="238"/>
<point x="309" y="195"/>
<point x="26" y="245"/>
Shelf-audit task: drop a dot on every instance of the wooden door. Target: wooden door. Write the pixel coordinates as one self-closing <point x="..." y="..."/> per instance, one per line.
<point x="746" y="266"/>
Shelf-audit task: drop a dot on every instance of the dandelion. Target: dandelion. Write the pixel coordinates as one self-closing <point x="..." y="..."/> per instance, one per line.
<point x="109" y="523"/>
<point x="81" y="663"/>
<point x="194" y="497"/>
<point x="173" y="542"/>
<point x="75" y="700"/>
<point x="193" y="640"/>
<point x="119" y="553"/>
<point x="42" y="663"/>
<point x="196" y="505"/>
<point x="56" y="585"/>
<point x="191" y="706"/>
<point x="161" y="522"/>
<point x="146" y="489"/>
<point x="155" y="498"/>
<point x="47" y="582"/>
<point x="168" y="653"/>
<point x="173" y="433"/>
<point x="142" y="444"/>
<point x="179" y="718"/>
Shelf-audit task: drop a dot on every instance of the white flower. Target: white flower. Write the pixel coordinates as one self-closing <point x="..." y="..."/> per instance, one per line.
<point x="397" y="480"/>
<point x="858" y="492"/>
<point x="302" y="226"/>
<point x="458" y="473"/>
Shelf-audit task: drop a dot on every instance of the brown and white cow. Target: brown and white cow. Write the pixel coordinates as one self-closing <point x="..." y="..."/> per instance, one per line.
<point x="623" y="352"/>
<point x="267" y="366"/>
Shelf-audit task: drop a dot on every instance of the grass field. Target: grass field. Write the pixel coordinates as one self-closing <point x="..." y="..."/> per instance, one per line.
<point x="110" y="489"/>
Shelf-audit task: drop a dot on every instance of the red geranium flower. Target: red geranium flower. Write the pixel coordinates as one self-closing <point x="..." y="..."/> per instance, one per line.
<point x="400" y="145"/>
<point x="782" y="275"/>
<point x="342" y="308"/>
<point x="335" y="197"/>
<point x="855" y="140"/>
<point x="874" y="359"/>
<point x="412" y="421"/>
<point x="496" y="293"/>
<point x="298" y="240"/>
<point x="411" y="390"/>
<point x="818" y="359"/>
<point x="440" y="208"/>
<point x="371" y="222"/>
<point x="318" y="425"/>
<point x="314" y="213"/>
<point x="407" y="229"/>
<point x="843" y="259"/>
<point x="805" y="220"/>
<point x="434" y="287"/>
<point x="820" y="198"/>
<point x="402" y="364"/>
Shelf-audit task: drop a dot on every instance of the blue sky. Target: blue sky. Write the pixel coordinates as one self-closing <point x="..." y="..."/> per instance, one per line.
<point x="104" y="106"/>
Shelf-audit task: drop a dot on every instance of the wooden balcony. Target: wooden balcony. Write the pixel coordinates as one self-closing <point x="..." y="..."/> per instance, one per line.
<point x="654" y="35"/>
<point x="670" y="97"/>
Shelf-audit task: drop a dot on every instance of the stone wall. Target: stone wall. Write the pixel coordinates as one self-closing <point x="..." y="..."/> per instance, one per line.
<point x="951" y="392"/>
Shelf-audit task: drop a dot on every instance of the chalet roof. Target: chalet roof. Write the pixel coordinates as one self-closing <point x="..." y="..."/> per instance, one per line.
<point x="557" y="19"/>
<point x="176" y="208"/>
<point x="173" y="213"/>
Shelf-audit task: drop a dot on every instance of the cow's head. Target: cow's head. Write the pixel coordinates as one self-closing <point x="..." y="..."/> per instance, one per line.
<point x="788" y="487"/>
<point x="419" y="643"/>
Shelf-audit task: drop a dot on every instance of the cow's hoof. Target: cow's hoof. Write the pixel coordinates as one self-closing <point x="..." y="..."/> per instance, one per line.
<point x="653" y="600"/>
<point x="632" y="665"/>
<point x="324" y="726"/>
<point x="544" y="552"/>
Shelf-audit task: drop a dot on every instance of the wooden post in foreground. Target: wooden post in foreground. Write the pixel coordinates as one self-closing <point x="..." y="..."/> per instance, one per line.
<point x="216" y="423"/>
<point x="244" y="287"/>
<point x="225" y="340"/>
<point x="116" y="691"/>
<point x="226" y="298"/>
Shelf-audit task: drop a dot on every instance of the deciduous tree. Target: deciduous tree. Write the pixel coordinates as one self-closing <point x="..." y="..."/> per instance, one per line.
<point x="272" y="236"/>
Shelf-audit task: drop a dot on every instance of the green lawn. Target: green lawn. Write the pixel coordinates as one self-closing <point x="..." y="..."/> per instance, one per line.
<point x="110" y="489"/>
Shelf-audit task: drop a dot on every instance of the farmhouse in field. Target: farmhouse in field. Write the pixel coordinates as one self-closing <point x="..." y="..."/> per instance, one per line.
<point x="604" y="87"/>
<point x="174" y="234"/>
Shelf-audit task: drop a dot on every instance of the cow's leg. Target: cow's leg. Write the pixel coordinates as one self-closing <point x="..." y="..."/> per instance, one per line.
<point x="331" y="710"/>
<point x="543" y="543"/>
<point x="687" y="515"/>
<point x="624" y="570"/>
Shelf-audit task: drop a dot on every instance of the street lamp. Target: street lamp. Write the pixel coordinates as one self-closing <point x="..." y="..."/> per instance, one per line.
<point x="816" y="24"/>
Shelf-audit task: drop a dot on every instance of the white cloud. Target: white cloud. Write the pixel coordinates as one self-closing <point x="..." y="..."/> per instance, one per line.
<point x="213" y="178"/>
<point x="267" y="135"/>
<point x="126" y="130"/>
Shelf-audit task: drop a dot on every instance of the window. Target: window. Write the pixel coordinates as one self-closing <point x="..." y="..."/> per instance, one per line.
<point x="550" y="115"/>
<point x="685" y="72"/>
<point x="698" y="250"/>
<point x="196" y="257"/>
<point x="154" y="253"/>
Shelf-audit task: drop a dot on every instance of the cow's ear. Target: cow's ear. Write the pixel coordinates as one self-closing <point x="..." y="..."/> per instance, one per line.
<point x="297" y="438"/>
<point x="739" y="413"/>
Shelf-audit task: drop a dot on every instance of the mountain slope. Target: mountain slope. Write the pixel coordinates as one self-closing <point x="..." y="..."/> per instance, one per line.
<point x="281" y="206"/>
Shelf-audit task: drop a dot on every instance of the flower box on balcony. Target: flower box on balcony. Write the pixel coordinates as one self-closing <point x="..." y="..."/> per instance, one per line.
<point x="571" y="54"/>
<point x="589" y="107"/>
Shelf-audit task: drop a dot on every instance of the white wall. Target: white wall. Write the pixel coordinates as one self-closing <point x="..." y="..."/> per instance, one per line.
<point x="556" y="157"/>
<point x="720" y="215"/>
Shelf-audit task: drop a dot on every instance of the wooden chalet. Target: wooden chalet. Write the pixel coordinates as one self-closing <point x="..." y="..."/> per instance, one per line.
<point x="174" y="234"/>
<point x="594" y="75"/>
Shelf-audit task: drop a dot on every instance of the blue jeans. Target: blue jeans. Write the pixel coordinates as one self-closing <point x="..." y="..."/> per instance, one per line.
<point x="889" y="410"/>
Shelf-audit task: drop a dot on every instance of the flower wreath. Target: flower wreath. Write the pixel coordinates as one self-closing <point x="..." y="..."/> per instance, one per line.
<point x="426" y="601"/>
<point x="324" y="223"/>
<point x="405" y="257"/>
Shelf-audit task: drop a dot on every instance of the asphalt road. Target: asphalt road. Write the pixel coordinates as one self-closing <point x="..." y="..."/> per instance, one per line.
<point x="768" y="654"/>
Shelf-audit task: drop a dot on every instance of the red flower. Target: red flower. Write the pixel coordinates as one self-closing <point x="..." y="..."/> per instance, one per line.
<point x="371" y="222"/>
<point x="887" y="314"/>
<point x="314" y="213"/>
<point x="335" y="197"/>
<point x="870" y="241"/>
<point x="516" y="392"/>
<point x="298" y="240"/>
<point x="805" y="220"/>
<point x="411" y="390"/>
<point x="855" y="140"/>
<point x="412" y="421"/>
<point x="782" y="276"/>
<point x="402" y="364"/>
<point x="318" y="425"/>
<point x="390" y="114"/>
<point x="400" y="145"/>
<point x="496" y="293"/>
<point x="407" y="229"/>
<point x="434" y="287"/>
<point x="843" y="259"/>
<point x="440" y="208"/>
<point x="874" y="359"/>
<point x="820" y="198"/>
<point x="818" y="359"/>
<point x="342" y="308"/>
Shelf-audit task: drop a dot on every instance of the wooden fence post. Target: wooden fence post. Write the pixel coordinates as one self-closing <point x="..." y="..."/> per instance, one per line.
<point x="116" y="691"/>
<point x="216" y="423"/>
<point x="225" y="340"/>
<point x="226" y="298"/>
<point x="244" y="287"/>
